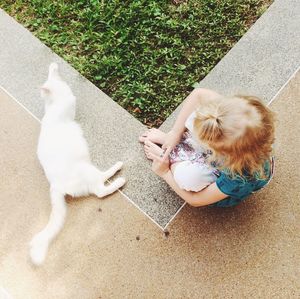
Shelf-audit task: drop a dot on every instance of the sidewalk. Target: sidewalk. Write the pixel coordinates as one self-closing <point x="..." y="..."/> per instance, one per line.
<point x="108" y="248"/>
<point x="251" y="251"/>
<point x="260" y="63"/>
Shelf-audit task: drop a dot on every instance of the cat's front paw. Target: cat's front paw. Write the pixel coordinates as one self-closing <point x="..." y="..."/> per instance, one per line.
<point x="119" y="165"/>
<point x="120" y="182"/>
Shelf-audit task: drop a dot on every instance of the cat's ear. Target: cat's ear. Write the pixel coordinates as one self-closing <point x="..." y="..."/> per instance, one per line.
<point x="45" y="90"/>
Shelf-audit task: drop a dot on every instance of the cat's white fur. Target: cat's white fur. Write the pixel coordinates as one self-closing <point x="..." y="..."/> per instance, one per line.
<point x="64" y="155"/>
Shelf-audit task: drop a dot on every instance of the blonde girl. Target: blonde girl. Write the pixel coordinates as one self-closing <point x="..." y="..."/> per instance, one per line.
<point x="218" y="151"/>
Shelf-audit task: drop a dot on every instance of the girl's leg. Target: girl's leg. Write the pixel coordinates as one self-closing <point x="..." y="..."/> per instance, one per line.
<point x="188" y="176"/>
<point x="150" y="147"/>
<point x="153" y="148"/>
<point x="153" y="135"/>
<point x="192" y="176"/>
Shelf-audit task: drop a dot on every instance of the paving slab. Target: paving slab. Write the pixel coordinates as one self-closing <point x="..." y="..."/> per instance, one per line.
<point x="260" y="63"/>
<point x="112" y="133"/>
<point x="249" y="251"/>
<point x="264" y="58"/>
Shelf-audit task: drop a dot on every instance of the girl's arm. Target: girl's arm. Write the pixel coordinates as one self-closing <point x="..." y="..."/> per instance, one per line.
<point x="199" y="96"/>
<point x="207" y="196"/>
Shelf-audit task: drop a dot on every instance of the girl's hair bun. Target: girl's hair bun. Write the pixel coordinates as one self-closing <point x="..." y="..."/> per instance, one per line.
<point x="209" y="119"/>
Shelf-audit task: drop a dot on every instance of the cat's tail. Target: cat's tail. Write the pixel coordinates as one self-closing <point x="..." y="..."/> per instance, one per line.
<point x="40" y="242"/>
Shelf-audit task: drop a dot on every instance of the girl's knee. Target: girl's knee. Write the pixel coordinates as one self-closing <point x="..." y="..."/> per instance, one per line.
<point x="193" y="176"/>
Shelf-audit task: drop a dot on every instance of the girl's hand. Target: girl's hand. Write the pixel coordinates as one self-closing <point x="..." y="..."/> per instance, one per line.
<point x="160" y="164"/>
<point x="172" y="139"/>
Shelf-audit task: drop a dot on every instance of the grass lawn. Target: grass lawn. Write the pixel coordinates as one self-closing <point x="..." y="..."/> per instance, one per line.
<point x="145" y="54"/>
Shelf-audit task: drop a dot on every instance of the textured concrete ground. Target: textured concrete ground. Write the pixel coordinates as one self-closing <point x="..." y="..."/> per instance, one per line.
<point x="260" y="63"/>
<point x="112" y="133"/>
<point x="108" y="249"/>
<point x="263" y="59"/>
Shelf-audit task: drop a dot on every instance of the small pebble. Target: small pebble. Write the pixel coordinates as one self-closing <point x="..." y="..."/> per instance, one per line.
<point x="137" y="238"/>
<point x="99" y="210"/>
<point x="166" y="233"/>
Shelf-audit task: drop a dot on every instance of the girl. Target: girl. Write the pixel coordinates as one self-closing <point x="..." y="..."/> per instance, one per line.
<point x="218" y="151"/>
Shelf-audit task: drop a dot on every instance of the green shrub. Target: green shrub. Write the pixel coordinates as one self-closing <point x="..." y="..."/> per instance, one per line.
<point x="145" y="54"/>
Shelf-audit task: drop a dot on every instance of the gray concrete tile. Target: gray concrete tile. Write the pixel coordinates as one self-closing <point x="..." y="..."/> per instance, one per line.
<point x="263" y="59"/>
<point x="250" y="251"/>
<point x="112" y="133"/>
<point x="260" y="63"/>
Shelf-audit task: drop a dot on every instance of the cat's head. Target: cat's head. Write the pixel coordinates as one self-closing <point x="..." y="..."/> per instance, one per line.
<point x="55" y="88"/>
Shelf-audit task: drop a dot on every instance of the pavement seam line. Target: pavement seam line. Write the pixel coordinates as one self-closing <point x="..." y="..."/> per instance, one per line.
<point x="284" y="85"/>
<point x="173" y="217"/>
<point x="121" y="192"/>
<point x="269" y="103"/>
<point x="8" y="93"/>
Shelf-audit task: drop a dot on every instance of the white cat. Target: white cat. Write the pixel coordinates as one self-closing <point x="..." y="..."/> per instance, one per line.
<point x="64" y="156"/>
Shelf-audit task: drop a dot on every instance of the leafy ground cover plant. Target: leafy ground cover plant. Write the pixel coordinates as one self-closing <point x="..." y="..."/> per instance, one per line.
<point x="145" y="54"/>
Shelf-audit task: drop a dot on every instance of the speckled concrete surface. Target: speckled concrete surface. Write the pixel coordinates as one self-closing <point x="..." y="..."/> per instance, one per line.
<point x="259" y="63"/>
<point x="263" y="59"/>
<point x="112" y="133"/>
<point x="250" y="251"/>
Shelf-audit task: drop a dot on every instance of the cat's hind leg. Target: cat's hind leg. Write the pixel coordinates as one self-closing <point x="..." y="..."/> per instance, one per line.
<point x="102" y="190"/>
<point x="112" y="170"/>
<point x="95" y="179"/>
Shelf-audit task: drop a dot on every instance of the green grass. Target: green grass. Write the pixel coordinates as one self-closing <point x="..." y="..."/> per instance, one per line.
<point x="145" y="54"/>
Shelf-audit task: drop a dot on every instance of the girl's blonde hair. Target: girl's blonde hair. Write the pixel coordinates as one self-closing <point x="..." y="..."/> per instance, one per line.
<point x="240" y="132"/>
